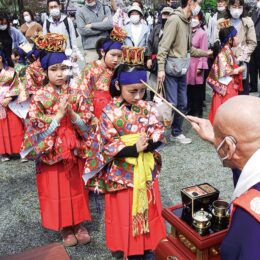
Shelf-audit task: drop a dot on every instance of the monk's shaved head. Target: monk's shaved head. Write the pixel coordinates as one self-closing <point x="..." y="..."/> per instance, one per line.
<point x="239" y="117"/>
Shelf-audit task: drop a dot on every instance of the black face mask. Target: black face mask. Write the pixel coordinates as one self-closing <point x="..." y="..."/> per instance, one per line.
<point x="163" y="21"/>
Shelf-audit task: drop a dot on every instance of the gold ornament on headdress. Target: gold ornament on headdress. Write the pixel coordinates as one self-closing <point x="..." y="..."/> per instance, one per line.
<point x="223" y="23"/>
<point x="52" y="42"/>
<point x="118" y="34"/>
<point x="133" y="55"/>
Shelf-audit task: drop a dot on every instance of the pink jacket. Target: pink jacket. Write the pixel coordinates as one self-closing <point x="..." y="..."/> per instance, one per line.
<point x="199" y="41"/>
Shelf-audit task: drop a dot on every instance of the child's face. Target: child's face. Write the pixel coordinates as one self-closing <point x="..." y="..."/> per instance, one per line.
<point x="57" y="74"/>
<point x="235" y="41"/>
<point x="112" y="58"/>
<point x="15" y="58"/>
<point x="133" y="93"/>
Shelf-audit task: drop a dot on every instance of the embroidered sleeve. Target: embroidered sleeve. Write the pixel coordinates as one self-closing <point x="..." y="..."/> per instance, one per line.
<point x="84" y="80"/>
<point x="110" y="137"/>
<point x="85" y="118"/>
<point x="155" y="128"/>
<point x="225" y="64"/>
<point x="38" y="120"/>
<point x="54" y="124"/>
<point x="14" y="88"/>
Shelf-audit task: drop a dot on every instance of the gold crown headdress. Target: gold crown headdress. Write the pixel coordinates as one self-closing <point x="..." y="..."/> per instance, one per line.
<point x="223" y="23"/>
<point x="52" y="42"/>
<point x="118" y="34"/>
<point x="133" y="55"/>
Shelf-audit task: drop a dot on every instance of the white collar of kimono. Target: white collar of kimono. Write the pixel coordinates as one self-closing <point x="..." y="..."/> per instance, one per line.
<point x="250" y="175"/>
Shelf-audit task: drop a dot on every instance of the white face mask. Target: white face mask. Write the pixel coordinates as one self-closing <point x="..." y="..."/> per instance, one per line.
<point x="55" y="12"/>
<point x="91" y="4"/>
<point x="258" y="4"/>
<point x="135" y="18"/>
<point x="194" y="23"/>
<point x="236" y="13"/>
<point x="27" y="18"/>
<point x="196" y="10"/>
<point x="3" y="27"/>
<point x="221" y="8"/>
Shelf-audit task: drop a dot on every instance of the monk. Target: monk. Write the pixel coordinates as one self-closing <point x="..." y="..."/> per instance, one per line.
<point x="236" y="137"/>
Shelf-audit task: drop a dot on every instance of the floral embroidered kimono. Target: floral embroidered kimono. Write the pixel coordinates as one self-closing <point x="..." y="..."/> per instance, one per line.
<point x="117" y="179"/>
<point x="94" y="83"/>
<point x="59" y="156"/>
<point x="35" y="78"/>
<point x="224" y="86"/>
<point x="11" y="126"/>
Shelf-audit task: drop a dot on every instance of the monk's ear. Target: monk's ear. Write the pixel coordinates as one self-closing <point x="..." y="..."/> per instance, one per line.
<point x="231" y="148"/>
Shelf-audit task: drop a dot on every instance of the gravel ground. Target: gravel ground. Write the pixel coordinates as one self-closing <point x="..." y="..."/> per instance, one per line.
<point x="20" y="226"/>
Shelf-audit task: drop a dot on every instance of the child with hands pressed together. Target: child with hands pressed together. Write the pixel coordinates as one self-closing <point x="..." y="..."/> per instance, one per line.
<point x="130" y="135"/>
<point x="59" y="124"/>
<point x="11" y="126"/>
<point x="225" y="77"/>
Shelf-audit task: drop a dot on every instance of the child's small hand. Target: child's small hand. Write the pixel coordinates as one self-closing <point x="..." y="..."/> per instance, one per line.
<point x="62" y="109"/>
<point x="142" y="143"/>
<point x="235" y="71"/>
<point x="6" y="101"/>
<point x="199" y="71"/>
<point x="72" y="114"/>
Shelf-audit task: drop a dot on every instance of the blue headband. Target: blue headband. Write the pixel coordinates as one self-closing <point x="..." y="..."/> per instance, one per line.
<point x="111" y="45"/>
<point x="133" y="77"/>
<point x="52" y="58"/>
<point x="35" y="52"/>
<point x="232" y="34"/>
<point x="22" y="55"/>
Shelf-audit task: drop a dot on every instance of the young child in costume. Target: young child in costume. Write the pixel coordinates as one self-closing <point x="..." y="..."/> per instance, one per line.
<point x="225" y="77"/>
<point x="96" y="76"/>
<point x="11" y="126"/>
<point x="19" y="59"/>
<point x="59" y="121"/>
<point x="130" y="134"/>
<point x="34" y="74"/>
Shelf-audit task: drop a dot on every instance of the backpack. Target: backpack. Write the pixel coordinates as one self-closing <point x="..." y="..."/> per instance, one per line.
<point x="66" y="22"/>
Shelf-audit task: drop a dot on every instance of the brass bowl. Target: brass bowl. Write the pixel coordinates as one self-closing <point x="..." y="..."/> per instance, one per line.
<point x="220" y="208"/>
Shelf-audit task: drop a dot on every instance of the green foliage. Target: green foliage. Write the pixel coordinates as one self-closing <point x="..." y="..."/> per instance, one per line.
<point x="209" y="4"/>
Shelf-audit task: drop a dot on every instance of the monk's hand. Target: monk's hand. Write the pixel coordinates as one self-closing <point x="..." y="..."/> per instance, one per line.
<point x="203" y="128"/>
<point x="142" y="143"/>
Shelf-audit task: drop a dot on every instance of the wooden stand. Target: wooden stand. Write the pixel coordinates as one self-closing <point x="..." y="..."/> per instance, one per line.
<point x="184" y="243"/>
<point x="49" y="252"/>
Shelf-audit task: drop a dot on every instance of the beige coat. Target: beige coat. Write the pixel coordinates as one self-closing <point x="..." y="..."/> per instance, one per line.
<point x="247" y="40"/>
<point x="176" y="40"/>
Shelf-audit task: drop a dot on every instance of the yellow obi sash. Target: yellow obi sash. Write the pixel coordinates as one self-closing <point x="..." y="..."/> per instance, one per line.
<point x="143" y="167"/>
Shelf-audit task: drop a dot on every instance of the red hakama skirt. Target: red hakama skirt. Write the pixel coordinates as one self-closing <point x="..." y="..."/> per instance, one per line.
<point x="118" y="223"/>
<point x="62" y="196"/>
<point x="101" y="99"/>
<point x="218" y="100"/>
<point x="11" y="133"/>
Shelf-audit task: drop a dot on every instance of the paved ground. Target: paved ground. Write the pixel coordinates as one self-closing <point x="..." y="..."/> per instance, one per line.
<point x="20" y="226"/>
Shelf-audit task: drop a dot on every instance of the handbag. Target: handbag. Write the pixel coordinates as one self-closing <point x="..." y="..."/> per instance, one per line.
<point x="177" y="67"/>
<point x="165" y="113"/>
